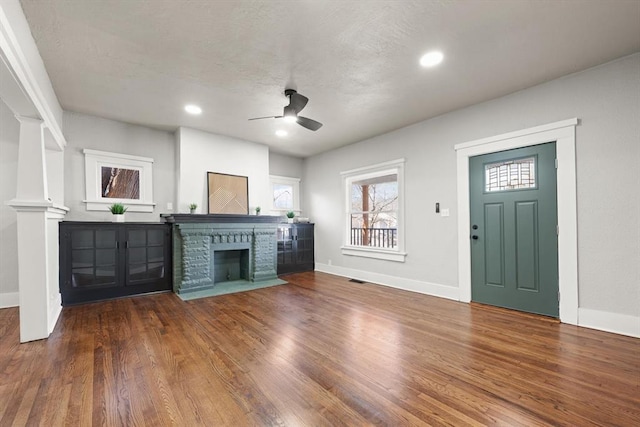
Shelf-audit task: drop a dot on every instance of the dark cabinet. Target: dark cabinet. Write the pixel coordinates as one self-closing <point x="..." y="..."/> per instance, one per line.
<point x="295" y="248"/>
<point x="106" y="260"/>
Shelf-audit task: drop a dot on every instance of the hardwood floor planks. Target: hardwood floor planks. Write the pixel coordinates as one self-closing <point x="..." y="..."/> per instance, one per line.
<point x="319" y="351"/>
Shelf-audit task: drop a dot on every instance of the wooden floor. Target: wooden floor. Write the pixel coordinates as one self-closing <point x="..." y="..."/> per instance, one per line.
<point x="318" y="351"/>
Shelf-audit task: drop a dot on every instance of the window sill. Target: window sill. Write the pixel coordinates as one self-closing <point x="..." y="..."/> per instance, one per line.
<point x="377" y="253"/>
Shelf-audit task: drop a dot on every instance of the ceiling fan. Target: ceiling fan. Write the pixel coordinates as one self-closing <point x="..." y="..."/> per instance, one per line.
<point x="290" y="114"/>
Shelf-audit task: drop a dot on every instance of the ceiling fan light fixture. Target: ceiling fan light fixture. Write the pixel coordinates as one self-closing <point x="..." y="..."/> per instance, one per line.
<point x="289" y="115"/>
<point x="431" y="59"/>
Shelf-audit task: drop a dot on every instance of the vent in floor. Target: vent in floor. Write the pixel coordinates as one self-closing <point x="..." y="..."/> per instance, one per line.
<point x="356" y="281"/>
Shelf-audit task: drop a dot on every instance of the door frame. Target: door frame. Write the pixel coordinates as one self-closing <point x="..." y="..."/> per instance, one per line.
<point x="563" y="133"/>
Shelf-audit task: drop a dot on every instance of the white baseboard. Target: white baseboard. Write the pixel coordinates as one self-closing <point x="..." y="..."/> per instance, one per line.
<point x="622" y="324"/>
<point x="433" y="289"/>
<point x="9" y="299"/>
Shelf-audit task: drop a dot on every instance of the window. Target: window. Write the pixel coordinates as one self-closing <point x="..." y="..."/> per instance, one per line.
<point x="374" y="211"/>
<point x="510" y="175"/>
<point x="285" y="194"/>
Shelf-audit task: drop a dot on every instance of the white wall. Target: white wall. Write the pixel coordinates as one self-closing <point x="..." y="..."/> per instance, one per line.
<point x="84" y="131"/>
<point x="9" y="138"/>
<point x="201" y="152"/>
<point x="283" y="165"/>
<point x="607" y="101"/>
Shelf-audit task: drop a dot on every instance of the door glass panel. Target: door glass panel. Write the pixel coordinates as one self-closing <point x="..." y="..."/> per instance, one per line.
<point x="81" y="258"/>
<point x="81" y="277"/>
<point x="510" y="175"/>
<point x="105" y="257"/>
<point x="137" y="238"/>
<point x="137" y="271"/>
<point x="137" y="255"/>
<point x="105" y="238"/>
<point x="105" y="275"/>
<point x="155" y="237"/>
<point x="156" y="270"/>
<point x="156" y="254"/>
<point x="82" y="239"/>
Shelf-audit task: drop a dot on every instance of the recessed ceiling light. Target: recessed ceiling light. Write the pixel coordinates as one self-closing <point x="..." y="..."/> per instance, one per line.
<point x="281" y="132"/>
<point x="192" y="109"/>
<point x="431" y="59"/>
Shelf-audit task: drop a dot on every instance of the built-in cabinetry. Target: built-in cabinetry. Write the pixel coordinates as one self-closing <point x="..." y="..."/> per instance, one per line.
<point x="295" y="248"/>
<point x="101" y="260"/>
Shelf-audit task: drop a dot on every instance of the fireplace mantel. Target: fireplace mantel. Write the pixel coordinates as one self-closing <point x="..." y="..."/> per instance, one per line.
<point x="197" y="237"/>
<point x="220" y="218"/>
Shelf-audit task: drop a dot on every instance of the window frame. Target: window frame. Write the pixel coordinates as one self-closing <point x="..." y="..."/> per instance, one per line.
<point x="285" y="180"/>
<point x="396" y="254"/>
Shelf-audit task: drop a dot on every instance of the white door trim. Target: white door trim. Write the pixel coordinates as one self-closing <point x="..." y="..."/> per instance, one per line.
<point x="563" y="133"/>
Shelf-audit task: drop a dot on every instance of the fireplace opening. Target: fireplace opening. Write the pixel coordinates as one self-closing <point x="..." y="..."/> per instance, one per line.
<point x="230" y="265"/>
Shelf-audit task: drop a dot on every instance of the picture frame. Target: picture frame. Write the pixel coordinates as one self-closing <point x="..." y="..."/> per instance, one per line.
<point x="118" y="178"/>
<point x="227" y="194"/>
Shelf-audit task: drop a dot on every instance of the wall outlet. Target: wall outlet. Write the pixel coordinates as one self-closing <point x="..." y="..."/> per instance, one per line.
<point x="444" y="212"/>
<point x="329" y="262"/>
<point x="169" y="206"/>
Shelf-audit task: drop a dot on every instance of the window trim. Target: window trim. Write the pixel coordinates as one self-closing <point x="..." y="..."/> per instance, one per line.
<point x="285" y="180"/>
<point x="348" y="177"/>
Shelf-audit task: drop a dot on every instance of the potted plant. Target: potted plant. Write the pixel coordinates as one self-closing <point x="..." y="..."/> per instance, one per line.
<point x="290" y="216"/>
<point x="118" y="210"/>
<point x="192" y="208"/>
<point x="258" y="210"/>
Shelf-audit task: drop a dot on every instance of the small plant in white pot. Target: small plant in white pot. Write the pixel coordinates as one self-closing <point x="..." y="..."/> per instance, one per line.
<point x="193" y="207"/>
<point x="290" y="216"/>
<point x="118" y="210"/>
<point x="258" y="210"/>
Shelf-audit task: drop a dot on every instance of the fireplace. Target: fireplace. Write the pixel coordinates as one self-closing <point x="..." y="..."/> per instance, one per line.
<point x="212" y="249"/>
<point x="230" y="265"/>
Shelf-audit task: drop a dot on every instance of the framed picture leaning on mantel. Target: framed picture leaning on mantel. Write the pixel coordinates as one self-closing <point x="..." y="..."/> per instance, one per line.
<point x="228" y="194"/>
<point x="118" y="178"/>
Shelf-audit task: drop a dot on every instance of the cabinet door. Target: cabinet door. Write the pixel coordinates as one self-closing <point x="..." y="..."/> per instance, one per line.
<point x="285" y="245"/>
<point x="146" y="257"/>
<point x="93" y="256"/>
<point x="304" y="244"/>
<point x="90" y="262"/>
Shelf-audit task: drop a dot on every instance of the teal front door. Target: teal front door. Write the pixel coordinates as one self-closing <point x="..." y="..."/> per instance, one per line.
<point x="514" y="240"/>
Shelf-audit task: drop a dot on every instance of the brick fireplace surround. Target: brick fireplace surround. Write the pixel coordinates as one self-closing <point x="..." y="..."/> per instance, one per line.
<point x="196" y="238"/>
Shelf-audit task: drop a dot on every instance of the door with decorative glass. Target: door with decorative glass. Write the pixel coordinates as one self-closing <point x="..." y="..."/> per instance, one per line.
<point x="514" y="240"/>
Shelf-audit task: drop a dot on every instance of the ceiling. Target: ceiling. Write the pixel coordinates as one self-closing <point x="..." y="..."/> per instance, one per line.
<point x="141" y="61"/>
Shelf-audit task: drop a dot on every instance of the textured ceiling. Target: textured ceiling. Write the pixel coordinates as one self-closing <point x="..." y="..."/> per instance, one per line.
<point x="141" y="61"/>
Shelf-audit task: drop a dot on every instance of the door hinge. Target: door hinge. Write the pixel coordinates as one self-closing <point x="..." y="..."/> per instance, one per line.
<point x="556" y="163"/>
<point x="558" y="296"/>
<point x="557" y="230"/>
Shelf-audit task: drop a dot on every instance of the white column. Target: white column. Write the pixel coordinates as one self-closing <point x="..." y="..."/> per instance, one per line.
<point x="37" y="253"/>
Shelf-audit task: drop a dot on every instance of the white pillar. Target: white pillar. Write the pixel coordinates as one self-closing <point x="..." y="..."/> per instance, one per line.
<point x="37" y="227"/>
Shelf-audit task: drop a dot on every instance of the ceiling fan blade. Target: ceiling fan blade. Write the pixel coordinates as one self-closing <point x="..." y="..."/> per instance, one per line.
<point x="267" y="117"/>
<point x="309" y="123"/>
<point x="297" y="101"/>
